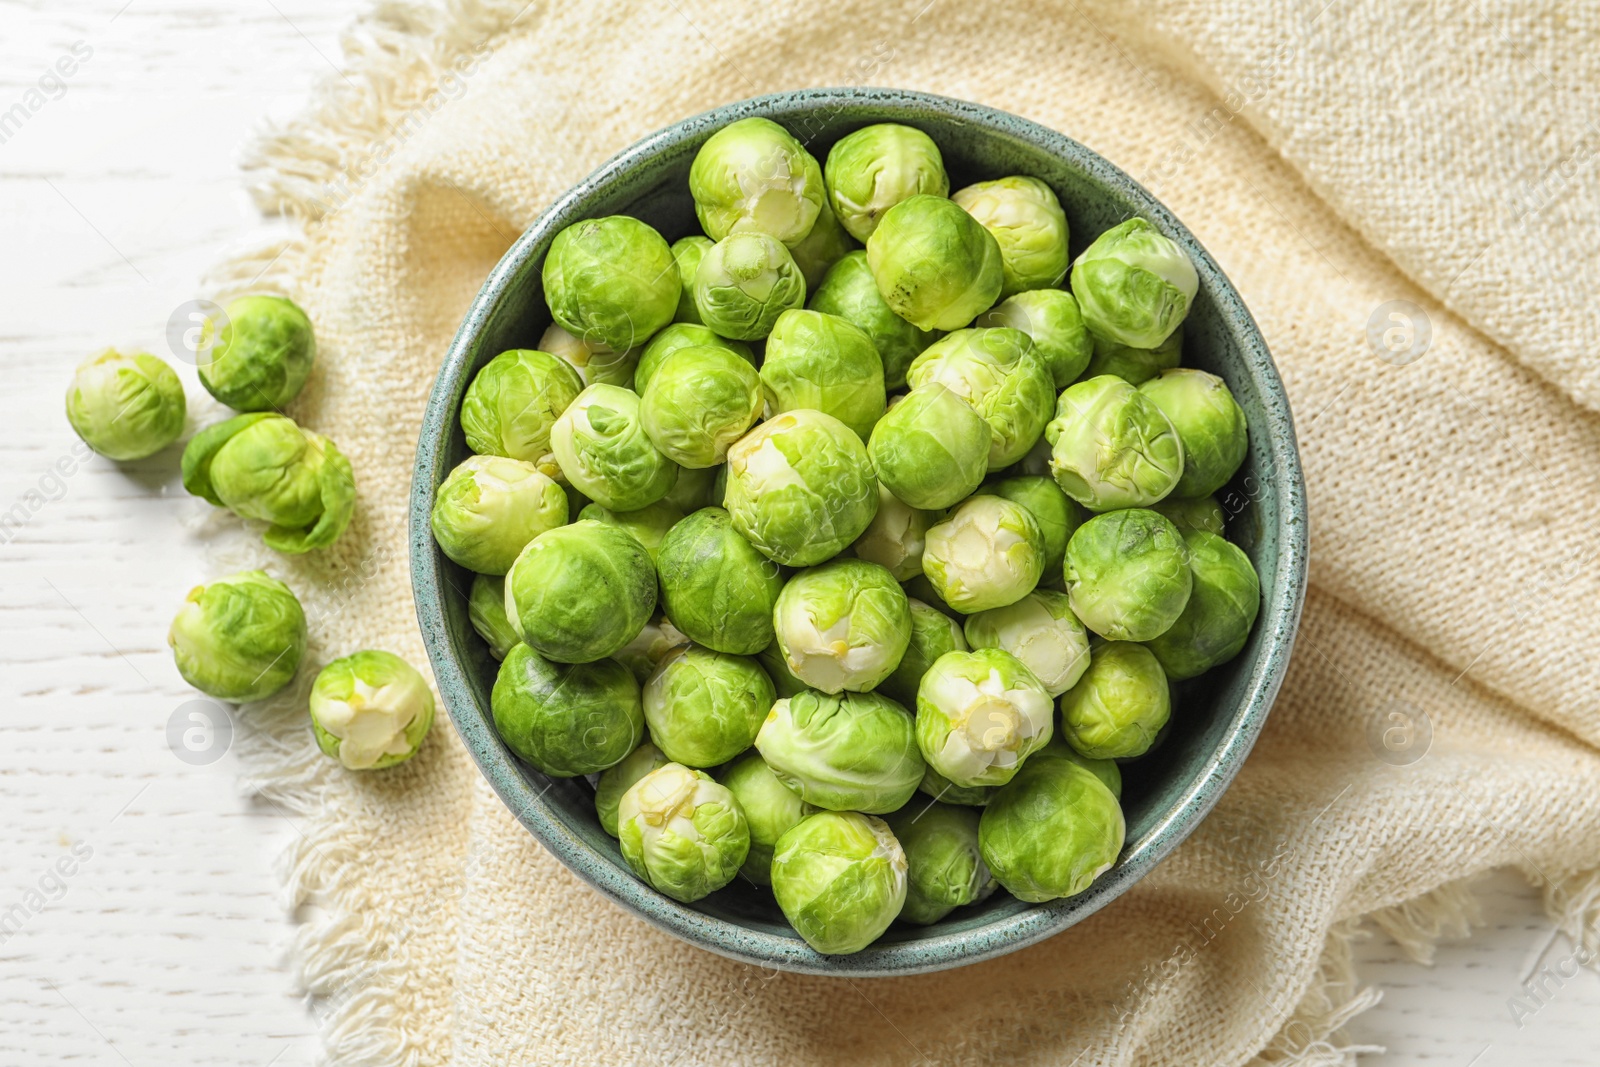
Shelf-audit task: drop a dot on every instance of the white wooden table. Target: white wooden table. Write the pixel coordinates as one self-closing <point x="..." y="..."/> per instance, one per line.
<point x="164" y="941"/>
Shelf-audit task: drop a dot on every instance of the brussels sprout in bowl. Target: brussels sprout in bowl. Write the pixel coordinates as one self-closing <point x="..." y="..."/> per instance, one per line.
<point x="1215" y="720"/>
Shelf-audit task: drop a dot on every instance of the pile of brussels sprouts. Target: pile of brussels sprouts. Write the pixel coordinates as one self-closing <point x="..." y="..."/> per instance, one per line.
<point x="770" y="552"/>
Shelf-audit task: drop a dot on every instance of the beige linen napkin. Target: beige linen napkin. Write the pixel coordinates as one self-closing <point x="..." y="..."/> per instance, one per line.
<point x="1335" y="158"/>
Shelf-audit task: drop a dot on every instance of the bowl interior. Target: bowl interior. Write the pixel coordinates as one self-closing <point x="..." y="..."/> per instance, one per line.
<point x="1215" y="718"/>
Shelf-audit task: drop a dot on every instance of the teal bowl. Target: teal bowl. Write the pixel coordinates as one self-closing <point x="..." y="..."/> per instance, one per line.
<point x="1217" y="717"/>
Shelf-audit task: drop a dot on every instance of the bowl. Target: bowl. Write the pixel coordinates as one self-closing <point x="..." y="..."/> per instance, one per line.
<point x="1217" y="717"/>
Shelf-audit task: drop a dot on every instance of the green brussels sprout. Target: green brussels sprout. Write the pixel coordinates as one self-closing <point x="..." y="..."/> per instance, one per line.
<point x="1111" y="447"/>
<point x="996" y="371"/>
<point x="980" y="714"/>
<point x="567" y="719"/>
<point x="1106" y="770"/>
<point x="239" y="638"/>
<point x="695" y="488"/>
<point x="840" y="879"/>
<point x="1052" y="509"/>
<point x="931" y="449"/>
<point x="771" y="809"/>
<point x="514" y="401"/>
<point x="619" y="778"/>
<point x="715" y="586"/>
<point x="843" y="625"/>
<point x="935" y="265"/>
<point x="704" y="707"/>
<point x="602" y="447"/>
<point x="370" y="710"/>
<point x="1042" y="632"/>
<point x="1119" y="705"/>
<point x="1127" y="574"/>
<point x="644" y="653"/>
<point x="488" y="509"/>
<point x="820" y="249"/>
<point x="845" y="752"/>
<point x="939" y="787"/>
<point x="648" y="525"/>
<point x="1027" y="222"/>
<point x="1195" y="513"/>
<point x="873" y="169"/>
<point x="944" y="869"/>
<point x="849" y="291"/>
<point x="1050" y="832"/>
<point x="682" y="832"/>
<point x="1209" y="423"/>
<point x="261" y="354"/>
<point x="824" y="363"/>
<point x="895" y="537"/>
<point x="921" y="589"/>
<point x="1134" y="365"/>
<point x="988" y="553"/>
<point x="752" y="176"/>
<point x="611" y="280"/>
<point x="699" y="402"/>
<point x="595" y="362"/>
<point x="486" y="610"/>
<point x="580" y="593"/>
<point x="263" y="466"/>
<point x="1134" y="284"/>
<point x="933" y="633"/>
<point x="744" y="283"/>
<point x="687" y="252"/>
<point x="678" y="336"/>
<point x="1051" y="319"/>
<point x="1221" y="610"/>
<point x="126" y="407"/>
<point x="783" y="680"/>
<point x="800" y="487"/>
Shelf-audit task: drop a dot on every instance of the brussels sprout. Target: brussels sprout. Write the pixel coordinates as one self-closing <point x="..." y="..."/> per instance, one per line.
<point x="699" y="402"/>
<point x="1051" y="319"/>
<point x="514" y="401"/>
<point x="696" y="488"/>
<point x="1127" y="574"/>
<point x="1134" y="285"/>
<point x="1111" y="447"/>
<point x="1027" y="222"/>
<point x="644" y="653"/>
<point x="1052" y="509"/>
<point x="612" y="281"/>
<point x="784" y="683"/>
<point x="1221" y="610"/>
<point x="935" y="265"/>
<point x="648" y="525"/>
<point x="979" y="715"/>
<point x="1134" y="365"/>
<point x="939" y="787"/>
<point x="490" y="507"/>
<point x="987" y="554"/>
<point x="261" y="355"/>
<point x="895" y="537"/>
<point x="678" y="336"/>
<point x="1209" y="423"/>
<point x="715" y="586"/>
<point x="486" y="610"/>
<point x="800" y="487"/>
<point x="752" y="176"/>
<point x="603" y="449"/>
<point x="922" y="589"/>
<point x="1051" y="832"/>
<point x="931" y="449"/>
<point x="933" y="633"/>
<point x="995" y="371"/>
<point x="771" y="808"/>
<point x="1106" y="770"/>
<point x="682" y="832"/>
<point x="595" y="362"/>
<point x="1036" y="464"/>
<point x="824" y="363"/>
<point x="619" y="778"/>
<point x="847" y="752"/>
<point x="870" y="171"/>
<point x="843" y="625"/>
<point x="1041" y="631"/>
<point x="262" y="466"/>
<point x="239" y="638"/>
<point x="1198" y="513"/>
<point x="944" y="868"/>
<point x="820" y="249"/>
<point x="840" y="878"/>
<point x="849" y="291"/>
<point x="370" y="710"/>
<point x="704" y="707"/>
<point x="580" y="593"/>
<point x="126" y="407"/>
<point x="567" y="719"/>
<point x="744" y="283"/>
<point x="1119" y="705"/>
<point x="687" y="252"/>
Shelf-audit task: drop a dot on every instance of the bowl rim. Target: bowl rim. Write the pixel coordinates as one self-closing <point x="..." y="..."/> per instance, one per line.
<point x="1005" y="934"/>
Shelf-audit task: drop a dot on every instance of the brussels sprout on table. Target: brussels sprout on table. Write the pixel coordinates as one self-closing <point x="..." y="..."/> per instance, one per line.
<point x="678" y="336"/>
<point x="840" y="879"/>
<point x="594" y="361"/>
<point x="703" y="707"/>
<point x="1134" y="365"/>
<point x="580" y="593"/>
<point x="823" y="363"/>
<point x="370" y="710"/>
<point x="771" y="809"/>
<point x="1027" y="222"/>
<point x="603" y="449"/>
<point x="752" y="175"/>
<point x="1221" y="610"/>
<point x="895" y="538"/>
<point x="876" y="167"/>
<point x="1111" y="447"/>
<point x="1119" y="705"/>
<point x="1055" y="512"/>
<point x="1134" y="284"/>
<point x="825" y="245"/>
<point x="611" y="281"/>
<point x="514" y="401"/>
<point x="261" y="354"/>
<point x="126" y="407"/>
<point x="1051" y="831"/>
<point x="1042" y="632"/>
<point x="847" y="752"/>
<point x="648" y="525"/>
<point x="933" y="633"/>
<point x="700" y="400"/>
<point x="239" y="638"/>
<point x="1051" y="319"/>
<point x="944" y="867"/>
<point x="849" y="291"/>
<point x="931" y="449"/>
<point x="567" y="719"/>
<point x="1127" y="574"/>
<point x="744" y="283"/>
<point x="995" y="371"/>
<point x="988" y="553"/>
<point x="715" y="586"/>
<point x="687" y="252"/>
<point x="979" y="715"/>
<point x="489" y="508"/>
<point x="682" y="832"/>
<point x="619" y="778"/>
<point x="1208" y="422"/>
<point x="486" y="610"/>
<point x="843" y="625"/>
<point x="935" y="265"/>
